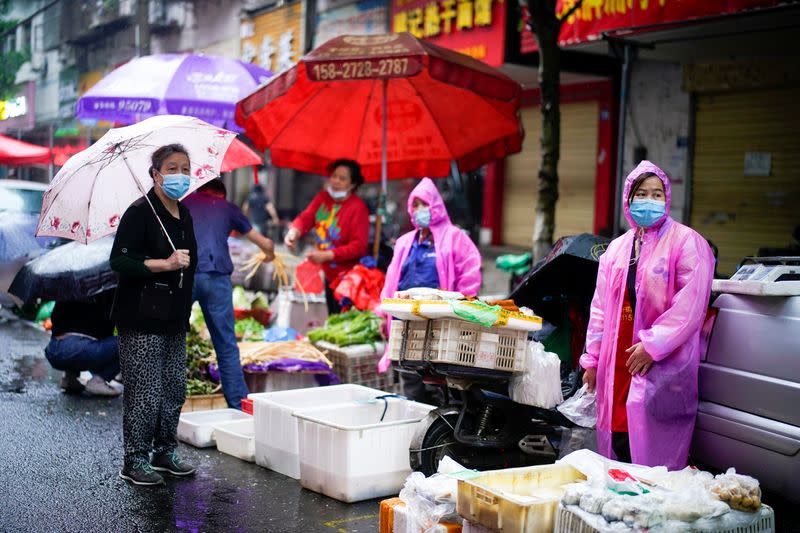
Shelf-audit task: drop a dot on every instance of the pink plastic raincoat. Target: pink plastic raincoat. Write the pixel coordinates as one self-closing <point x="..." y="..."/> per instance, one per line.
<point x="458" y="261"/>
<point x="673" y="282"/>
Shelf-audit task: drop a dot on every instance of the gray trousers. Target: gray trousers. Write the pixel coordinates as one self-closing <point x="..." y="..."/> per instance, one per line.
<point x="154" y="369"/>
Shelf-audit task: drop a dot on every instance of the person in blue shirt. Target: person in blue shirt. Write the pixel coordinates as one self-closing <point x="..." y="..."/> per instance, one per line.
<point x="214" y="219"/>
<point x="436" y="255"/>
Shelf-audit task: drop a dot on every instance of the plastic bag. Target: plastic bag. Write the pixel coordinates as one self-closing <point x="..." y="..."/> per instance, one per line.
<point x="576" y="438"/>
<point x="428" y="500"/>
<point x="476" y="311"/>
<point x="540" y="384"/>
<point x="307" y="278"/>
<point x="278" y="334"/>
<point x="740" y="492"/>
<point x="514" y="264"/>
<point x="45" y="311"/>
<point x="581" y="409"/>
<point x="361" y="285"/>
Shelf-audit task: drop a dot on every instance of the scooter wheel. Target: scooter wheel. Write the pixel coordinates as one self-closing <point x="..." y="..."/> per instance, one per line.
<point x="434" y="440"/>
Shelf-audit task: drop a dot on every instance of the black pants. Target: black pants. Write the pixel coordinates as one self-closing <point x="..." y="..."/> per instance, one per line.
<point x="154" y="367"/>
<point x="330" y="300"/>
<point x="621" y="445"/>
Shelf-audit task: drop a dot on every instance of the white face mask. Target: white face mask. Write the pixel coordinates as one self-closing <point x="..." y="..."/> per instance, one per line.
<point x="337" y="195"/>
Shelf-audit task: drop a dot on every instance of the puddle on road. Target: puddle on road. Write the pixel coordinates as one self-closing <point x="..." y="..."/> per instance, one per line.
<point x="22" y="358"/>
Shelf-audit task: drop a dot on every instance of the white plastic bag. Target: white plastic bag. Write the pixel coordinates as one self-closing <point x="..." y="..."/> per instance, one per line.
<point x="540" y="384"/>
<point x="581" y="409"/>
<point x="428" y="500"/>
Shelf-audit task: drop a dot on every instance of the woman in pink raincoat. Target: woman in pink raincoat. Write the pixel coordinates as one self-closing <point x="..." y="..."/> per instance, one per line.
<point x="643" y="340"/>
<point x="436" y="254"/>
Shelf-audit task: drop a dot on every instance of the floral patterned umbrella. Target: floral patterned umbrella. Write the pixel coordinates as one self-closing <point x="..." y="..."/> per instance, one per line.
<point x="94" y="188"/>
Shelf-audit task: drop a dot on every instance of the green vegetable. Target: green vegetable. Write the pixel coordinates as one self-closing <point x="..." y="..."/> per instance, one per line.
<point x="249" y="329"/>
<point x="260" y="302"/>
<point x="240" y="299"/>
<point x="197" y="349"/>
<point x="346" y="329"/>
<point x="196" y="387"/>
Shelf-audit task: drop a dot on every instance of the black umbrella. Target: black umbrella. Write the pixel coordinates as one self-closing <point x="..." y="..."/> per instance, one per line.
<point x="568" y="272"/>
<point x="74" y="271"/>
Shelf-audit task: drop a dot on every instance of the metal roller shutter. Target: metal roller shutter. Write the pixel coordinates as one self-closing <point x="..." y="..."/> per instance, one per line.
<point x="739" y="213"/>
<point x="576" y="169"/>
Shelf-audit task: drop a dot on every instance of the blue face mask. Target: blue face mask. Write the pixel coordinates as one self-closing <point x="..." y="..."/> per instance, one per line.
<point x="176" y="185"/>
<point x="422" y="217"/>
<point x="647" y="212"/>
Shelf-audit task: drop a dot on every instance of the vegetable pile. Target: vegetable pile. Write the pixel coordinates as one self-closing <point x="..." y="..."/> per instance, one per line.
<point x="346" y="329"/>
<point x="198" y="350"/>
<point x="249" y="329"/>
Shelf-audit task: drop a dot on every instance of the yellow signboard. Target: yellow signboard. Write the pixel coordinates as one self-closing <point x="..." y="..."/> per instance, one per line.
<point x="274" y="40"/>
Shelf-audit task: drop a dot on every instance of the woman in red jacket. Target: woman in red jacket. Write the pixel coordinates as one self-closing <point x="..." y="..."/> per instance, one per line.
<point x="339" y="221"/>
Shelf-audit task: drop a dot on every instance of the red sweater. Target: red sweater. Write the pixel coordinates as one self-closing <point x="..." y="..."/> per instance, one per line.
<point x="342" y="227"/>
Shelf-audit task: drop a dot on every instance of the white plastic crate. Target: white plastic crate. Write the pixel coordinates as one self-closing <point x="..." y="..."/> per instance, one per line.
<point x="276" y="428"/>
<point x="237" y="439"/>
<point x="458" y="342"/>
<point x="197" y="427"/>
<point x="516" y="500"/>
<point x="278" y="381"/>
<point x="292" y="312"/>
<point x="573" y="519"/>
<point x="356" y="452"/>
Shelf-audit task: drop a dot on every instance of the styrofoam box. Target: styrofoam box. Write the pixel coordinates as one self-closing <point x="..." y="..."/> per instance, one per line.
<point x="237" y="439"/>
<point x="276" y="428"/>
<point x="197" y="427"/>
<point x="348" y="453"/>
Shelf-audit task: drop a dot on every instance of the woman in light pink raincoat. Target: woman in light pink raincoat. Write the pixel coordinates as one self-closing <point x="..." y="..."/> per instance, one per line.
<point x="643" y="339"/>
<point x="457" y="260"/>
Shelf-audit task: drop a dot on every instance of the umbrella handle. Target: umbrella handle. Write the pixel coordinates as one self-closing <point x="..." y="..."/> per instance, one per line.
<point x="377" y="244"/>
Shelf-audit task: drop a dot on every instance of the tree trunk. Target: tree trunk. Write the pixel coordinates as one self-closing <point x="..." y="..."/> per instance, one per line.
<point x="546" y="28"/>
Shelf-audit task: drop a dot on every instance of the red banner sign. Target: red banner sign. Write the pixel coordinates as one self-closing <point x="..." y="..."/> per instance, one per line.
<point x="473" y="27"/>
<point x="594" y="17"/>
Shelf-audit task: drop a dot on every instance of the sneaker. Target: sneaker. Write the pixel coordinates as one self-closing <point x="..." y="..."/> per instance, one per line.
<point x="141" y="473"/>
<point x="171" y="463"/>
<point x="70" y="382"/>
<point x="97" y="386"/>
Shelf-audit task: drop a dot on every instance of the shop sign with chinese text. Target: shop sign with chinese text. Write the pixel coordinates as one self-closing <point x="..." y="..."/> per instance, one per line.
<point x="473" y="27"/>
<point x="274" y="39"/>
<point x="594" y="17"/>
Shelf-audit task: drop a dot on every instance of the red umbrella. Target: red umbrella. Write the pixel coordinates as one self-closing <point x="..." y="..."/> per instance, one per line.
<point x="240" y="155"/>
<point x="389" y="100"/>
<point x="17" y="153"/>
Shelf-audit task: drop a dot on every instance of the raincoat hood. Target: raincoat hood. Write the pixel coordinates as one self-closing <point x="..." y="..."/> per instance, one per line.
<point x="428" y="193"/>
<point x="643" y="168"/>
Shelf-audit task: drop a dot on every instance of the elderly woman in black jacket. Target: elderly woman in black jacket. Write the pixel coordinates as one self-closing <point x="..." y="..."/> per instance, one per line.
<point x="155" y="254"/>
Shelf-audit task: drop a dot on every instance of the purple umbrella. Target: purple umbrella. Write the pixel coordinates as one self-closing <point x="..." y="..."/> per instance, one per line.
<point x="206" y="87"/>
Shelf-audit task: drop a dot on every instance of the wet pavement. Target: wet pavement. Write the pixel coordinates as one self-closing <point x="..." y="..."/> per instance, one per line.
<point x="60" y="455"/>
